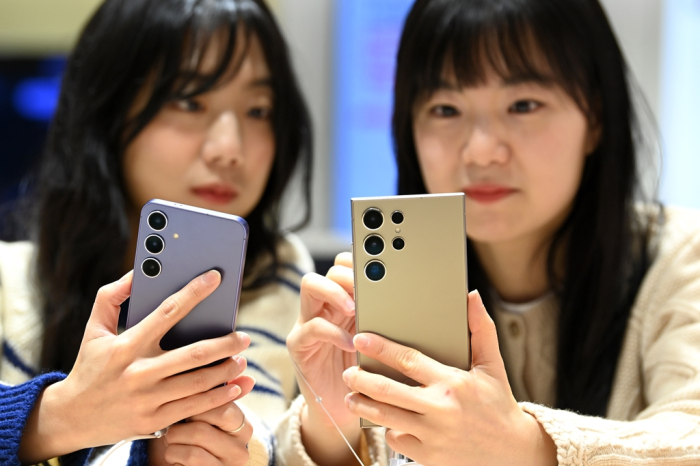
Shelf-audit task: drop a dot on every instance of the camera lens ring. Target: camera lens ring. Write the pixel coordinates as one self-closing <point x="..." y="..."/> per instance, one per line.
<point x="151" y="267"/>
<point x="157" y="245"/>
<point x="398" y="243"/>
<point x="397" y="217"/>
<point x="376" y="248"/>
<point x="375" y="271"/>
<point x="373" y="218"/>
<point x="156" y="218"/>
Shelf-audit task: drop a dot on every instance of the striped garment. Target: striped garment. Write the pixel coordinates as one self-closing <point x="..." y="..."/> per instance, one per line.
<point x="266" y="314"/>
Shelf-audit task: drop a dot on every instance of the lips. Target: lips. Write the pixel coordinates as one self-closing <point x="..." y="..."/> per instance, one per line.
<point x="487" y="194"/>
<point x="215" y="193"/>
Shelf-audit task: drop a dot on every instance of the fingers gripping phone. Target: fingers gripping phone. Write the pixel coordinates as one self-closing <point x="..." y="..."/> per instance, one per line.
<point x="410" y="269"/>
<point x="175" y="244"/>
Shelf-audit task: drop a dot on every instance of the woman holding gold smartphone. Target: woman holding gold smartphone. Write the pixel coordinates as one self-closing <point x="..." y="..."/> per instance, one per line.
<point x="585" y="314"/>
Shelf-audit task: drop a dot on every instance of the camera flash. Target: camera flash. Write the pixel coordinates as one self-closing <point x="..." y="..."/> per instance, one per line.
<point x="398" y="230"/>
<point x="176" y="236"/>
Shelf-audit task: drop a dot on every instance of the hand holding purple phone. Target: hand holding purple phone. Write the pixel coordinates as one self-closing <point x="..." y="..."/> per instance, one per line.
<point x="126" y="385"/>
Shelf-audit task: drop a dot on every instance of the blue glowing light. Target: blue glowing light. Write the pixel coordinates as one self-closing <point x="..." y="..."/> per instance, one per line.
<point x="36" y="98"/>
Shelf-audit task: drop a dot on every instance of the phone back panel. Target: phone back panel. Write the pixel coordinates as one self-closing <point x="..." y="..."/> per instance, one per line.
<point x="421" y="301"/>
<point x="196" y="240"/>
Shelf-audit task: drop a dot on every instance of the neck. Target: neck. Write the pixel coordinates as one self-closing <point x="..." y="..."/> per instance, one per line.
<point x="517" y="269"/>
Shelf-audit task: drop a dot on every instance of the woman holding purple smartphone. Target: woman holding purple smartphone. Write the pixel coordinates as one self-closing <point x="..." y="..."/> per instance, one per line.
<point x="194" y="102"/>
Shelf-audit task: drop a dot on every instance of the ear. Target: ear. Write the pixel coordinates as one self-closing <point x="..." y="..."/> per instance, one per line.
<point x="593" y="135"/>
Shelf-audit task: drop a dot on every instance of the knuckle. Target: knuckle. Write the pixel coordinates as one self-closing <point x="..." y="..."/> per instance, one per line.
<point x="335" y="271"/>
<point x="247" y="432"/>
<point x="232" y="369"/>
<point x="122" y="350"/>
<point x="195" y="289"/>
<point x="198" y="354"/>
<point x="242" y="457"/>
<point x="382" y="414"/>
<point x="131" y="378"/>
<point x="142" y="423"/>
<point x="384" y="388"/>
<point x="199" y="434"/>
<point x="199" y="383"/>
<point x="408" y="361"/>
<point x="309" y="283"/>
<point x="213" y="399"/>
<point x="102" y="294"/>
<point x="169" y="306"/>
<point x="343" y="258"/>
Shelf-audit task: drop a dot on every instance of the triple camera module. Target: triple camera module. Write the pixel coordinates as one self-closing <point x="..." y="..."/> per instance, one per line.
<point x="154" y="244"/>
<point x="373" y="219"/>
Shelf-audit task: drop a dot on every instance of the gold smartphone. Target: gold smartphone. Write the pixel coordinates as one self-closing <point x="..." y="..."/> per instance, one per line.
<point x="410" y="268"/>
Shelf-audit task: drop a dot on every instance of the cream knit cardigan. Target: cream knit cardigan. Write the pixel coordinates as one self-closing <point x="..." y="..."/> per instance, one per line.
<point x="653" y="415"/>
<point x="267" y="315"/>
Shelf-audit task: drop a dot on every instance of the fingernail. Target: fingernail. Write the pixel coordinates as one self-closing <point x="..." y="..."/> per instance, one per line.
<point x="350" y="304"/>
<point x="360" y="341"/>
<point x="125" y="277"/>
<point x="210" y="278"/>
<point x="346" y="375"/>
<point x="349" y="400"/>
<point x="234" y="391"/>
<point x="241" y="361"/>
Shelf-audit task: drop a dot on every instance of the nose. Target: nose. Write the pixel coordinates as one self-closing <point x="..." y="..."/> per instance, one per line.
<point x="223" y="145"/>
<point x="485" y="146"/>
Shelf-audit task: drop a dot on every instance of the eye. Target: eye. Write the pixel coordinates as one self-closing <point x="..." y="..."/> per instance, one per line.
<point x="524" y="106"/>
<point x="260" y="113"/>
<point x="444" y="111"/>
<point x="189" y="105"/>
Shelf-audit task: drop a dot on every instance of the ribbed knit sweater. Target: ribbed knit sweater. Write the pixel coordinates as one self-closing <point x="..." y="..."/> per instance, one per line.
<point x="266" y="314"/>
<point x="653" y="415"/>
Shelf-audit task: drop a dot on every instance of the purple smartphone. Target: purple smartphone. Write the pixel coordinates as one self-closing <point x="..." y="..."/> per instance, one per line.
<point x="175" y="244"/>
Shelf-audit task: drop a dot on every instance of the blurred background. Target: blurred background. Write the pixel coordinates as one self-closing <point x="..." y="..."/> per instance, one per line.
<point x="344" y="51"/>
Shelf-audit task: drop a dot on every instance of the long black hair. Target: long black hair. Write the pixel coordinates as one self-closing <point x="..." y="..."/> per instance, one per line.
<point x="82" y="218"/>
<point x="603" y="241"/>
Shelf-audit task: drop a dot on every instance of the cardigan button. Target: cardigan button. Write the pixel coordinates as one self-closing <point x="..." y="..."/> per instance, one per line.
<point x="514" y="329"/>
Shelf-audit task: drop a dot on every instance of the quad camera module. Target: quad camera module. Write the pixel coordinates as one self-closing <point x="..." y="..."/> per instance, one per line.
<point x="373" y="219"/>
<point x="154" y="244"/>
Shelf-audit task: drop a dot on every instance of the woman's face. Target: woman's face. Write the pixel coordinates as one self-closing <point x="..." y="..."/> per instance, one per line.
<point x="516" y="150"/>
<point x="214" y="150"/>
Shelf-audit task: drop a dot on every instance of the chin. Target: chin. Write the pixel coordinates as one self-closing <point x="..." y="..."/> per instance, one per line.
<point x="490" y="231"/>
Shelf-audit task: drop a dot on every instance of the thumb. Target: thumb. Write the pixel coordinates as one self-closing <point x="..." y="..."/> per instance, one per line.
<point x="485" y="352"/>
<point x="105" y="312"/>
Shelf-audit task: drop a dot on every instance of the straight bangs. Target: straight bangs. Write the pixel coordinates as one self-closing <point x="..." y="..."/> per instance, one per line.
<point x="175" y="60"/>
<point x="471" y="41"/>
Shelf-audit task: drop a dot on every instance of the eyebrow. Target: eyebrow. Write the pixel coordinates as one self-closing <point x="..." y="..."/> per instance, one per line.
<point x="262" y="82"/>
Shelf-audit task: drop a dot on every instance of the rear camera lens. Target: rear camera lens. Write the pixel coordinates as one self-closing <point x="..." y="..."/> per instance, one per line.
<point x="154" y="244"/>
<point x="151" y="267"/>
<point x="397" y="217"/>
<point x="373" y="219"/>
<point x="374" y="245"/>
<point x="157" y="220"/>
<point x="398" y="243"/>
<point x="375" y="271"/>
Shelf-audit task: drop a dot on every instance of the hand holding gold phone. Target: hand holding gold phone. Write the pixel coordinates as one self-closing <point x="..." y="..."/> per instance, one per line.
<point x="410" y="271"/>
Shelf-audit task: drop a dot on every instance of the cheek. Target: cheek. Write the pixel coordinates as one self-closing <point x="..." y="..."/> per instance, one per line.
<point x="157" y="161"/>
<point x="555" y="169"/>
<point x="438" y="157"/>
<point x="262" y="154"/>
